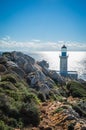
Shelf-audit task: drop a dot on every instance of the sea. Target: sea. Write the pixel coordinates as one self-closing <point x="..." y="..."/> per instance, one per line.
<point x="76" y="61"/>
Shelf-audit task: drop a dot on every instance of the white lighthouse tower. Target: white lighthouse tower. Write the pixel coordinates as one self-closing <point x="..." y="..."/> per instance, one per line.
<point x="63" y="61"/>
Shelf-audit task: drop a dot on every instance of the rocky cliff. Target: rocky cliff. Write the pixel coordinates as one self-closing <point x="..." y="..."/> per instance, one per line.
<point x="34" y="97"/>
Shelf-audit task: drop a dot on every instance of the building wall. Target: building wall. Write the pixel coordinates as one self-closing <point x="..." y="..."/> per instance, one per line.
<point x="63" y="64"/>
<point x="70" y="75"/>
<point x="73" y="76"/>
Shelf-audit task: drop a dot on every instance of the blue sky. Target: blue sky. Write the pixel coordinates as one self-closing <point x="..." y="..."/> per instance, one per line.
<point x="41" y="23"/>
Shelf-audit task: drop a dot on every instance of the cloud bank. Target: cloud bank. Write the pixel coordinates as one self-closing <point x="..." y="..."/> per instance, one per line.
<point x="7" y="44"/>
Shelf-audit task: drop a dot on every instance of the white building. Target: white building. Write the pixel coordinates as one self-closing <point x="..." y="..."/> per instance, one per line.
<point x="64" y="65"/>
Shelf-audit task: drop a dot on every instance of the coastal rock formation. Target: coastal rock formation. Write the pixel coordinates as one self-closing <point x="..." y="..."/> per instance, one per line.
<point x="34" y="97"/>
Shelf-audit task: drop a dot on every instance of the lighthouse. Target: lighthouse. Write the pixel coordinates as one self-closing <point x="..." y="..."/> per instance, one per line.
<point x="63" y="61"/>
<point x="64" y="65"/>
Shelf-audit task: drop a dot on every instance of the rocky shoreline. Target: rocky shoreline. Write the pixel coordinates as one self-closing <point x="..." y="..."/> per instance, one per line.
<point x="33" y="97"/>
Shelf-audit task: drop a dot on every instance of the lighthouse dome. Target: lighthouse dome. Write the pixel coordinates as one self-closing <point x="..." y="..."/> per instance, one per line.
<point x="64" y="46"/>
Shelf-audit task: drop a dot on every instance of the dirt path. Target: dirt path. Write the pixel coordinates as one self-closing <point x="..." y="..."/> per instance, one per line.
<point x="49" y="120"/>
<point x="60" y="120"/>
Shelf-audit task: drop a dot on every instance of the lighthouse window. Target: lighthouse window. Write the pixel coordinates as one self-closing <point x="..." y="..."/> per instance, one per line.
<point x="63" y="53"/>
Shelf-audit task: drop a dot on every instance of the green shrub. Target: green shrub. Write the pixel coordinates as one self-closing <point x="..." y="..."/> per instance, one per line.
<point x="76" y="89"/>
<point x="17" y="103"/>
<point x="30" y="114"/>
<point x="4" y="127"/>
<point x="31" y="97"/>
<point x="7" y="85"/>
<point x="41" y="97"/>
<point x="12" y="122"/>
<point x="15" y="95"/>
<point x="10" y="77"/>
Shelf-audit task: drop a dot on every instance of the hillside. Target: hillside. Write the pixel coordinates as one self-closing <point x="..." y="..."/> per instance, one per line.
<point x="32" y="97"/>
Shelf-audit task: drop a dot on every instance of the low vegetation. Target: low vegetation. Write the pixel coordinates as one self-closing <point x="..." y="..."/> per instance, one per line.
<point x="18" y="106"/>
<point x="76" y="89"/>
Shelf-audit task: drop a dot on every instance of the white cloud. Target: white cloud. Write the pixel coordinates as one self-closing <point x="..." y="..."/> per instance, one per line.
<point x="7" y="44"/>
<point x="36" y="40"/>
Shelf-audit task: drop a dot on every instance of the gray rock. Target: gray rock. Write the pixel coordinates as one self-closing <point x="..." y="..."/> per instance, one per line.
<point x="83" y="128"/>
<point x="20" y="61"/>
<point x="36" y="77"/>
<point x="3" y="60"/>
<point x="11" y="63"/>
<point x="29" y="59"/>
<point x="18" y="71"/>
<point x="43" y="64"/>
<point x="7" y="56"/>
<point x="2" y="68"/>
<point x="44" y="89"/>
<point x="28" y="68"/>
<point x="24" y="61"/>
<point x="49" y="82"/>
<point x="52" y="74"/>
<point x="70" y="117"/>
<point x="82" y="105"/>
<point x="56" y="77"/>
<point x="17" y="55"/>
<point x="71" y="113"/>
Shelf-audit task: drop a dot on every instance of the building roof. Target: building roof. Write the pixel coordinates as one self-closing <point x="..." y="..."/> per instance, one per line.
<point x="63" y="46"/>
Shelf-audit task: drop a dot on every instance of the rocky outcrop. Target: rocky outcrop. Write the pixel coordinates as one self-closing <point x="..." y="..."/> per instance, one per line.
<point x="19" y="59"/>
<point x="52" y="74"/>
<point x="33" y="72"/>
<point x="40" y="82"/>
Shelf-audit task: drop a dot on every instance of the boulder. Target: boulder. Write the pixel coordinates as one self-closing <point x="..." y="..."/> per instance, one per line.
<point x="29" y="59"/>
<point x="49" y="82"/>
<point x="11" y="64"/>
<point x="20" y="61"/>
<point x="28" y="68"/>
<point x="7" y="55"/>
<point x="83" y="128"/>
<point x="2" y="60"/>
<point x="43" y="64"/>
<point x="17" y="55"/>
<point x="35" y="77"/>
<point x="44" y="89"/>
<point x="18" y="71"/>
<point x="24" y="61"/>
<point x="56" y="77"/>
<point x="2" y="68"/>
<point x="82" y="104"/>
